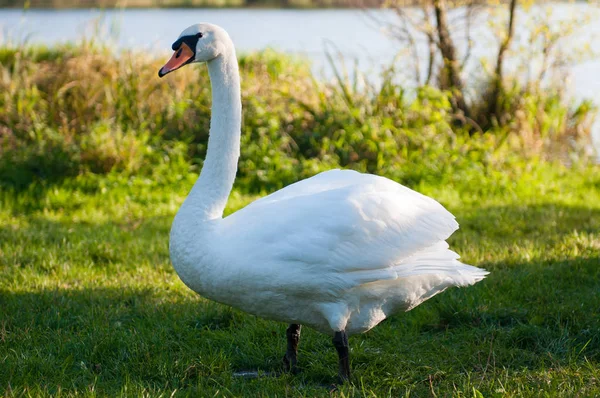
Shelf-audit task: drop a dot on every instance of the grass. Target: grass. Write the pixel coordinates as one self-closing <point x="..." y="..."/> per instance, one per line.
<point x="91" y="305"/>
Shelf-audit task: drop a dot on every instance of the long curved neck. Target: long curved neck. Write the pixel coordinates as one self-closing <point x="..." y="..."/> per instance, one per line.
<point x="208" y="197"/>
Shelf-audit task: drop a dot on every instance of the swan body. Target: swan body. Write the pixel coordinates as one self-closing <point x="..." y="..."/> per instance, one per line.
<point x="338" y="252"/>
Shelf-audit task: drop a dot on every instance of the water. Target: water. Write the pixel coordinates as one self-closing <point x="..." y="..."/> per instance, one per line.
<point x="293" y="31"/>
<point x="355" y="34"/>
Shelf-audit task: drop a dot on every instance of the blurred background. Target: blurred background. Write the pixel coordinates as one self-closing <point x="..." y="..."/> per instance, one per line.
<point x="518" y="68"/>
<point x="488" y="61"/>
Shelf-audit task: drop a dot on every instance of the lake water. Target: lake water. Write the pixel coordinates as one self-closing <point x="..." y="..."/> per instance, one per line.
<point x="357" y="35"/>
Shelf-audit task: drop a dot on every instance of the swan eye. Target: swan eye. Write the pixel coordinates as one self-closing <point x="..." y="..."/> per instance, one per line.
<point x="190" y="40"/>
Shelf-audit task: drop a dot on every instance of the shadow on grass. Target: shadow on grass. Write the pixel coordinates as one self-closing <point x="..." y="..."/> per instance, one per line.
<point x="539" y="307"/>
<point x="148" y="337"/>
<point x="533" y="315"/>
<point x="513" y="222"/>
<point x="43" y="245"/>
<point x="114" y="334"/>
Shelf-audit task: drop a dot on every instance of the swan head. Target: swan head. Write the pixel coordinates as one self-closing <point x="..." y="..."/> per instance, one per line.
<point x="202" y="42"/>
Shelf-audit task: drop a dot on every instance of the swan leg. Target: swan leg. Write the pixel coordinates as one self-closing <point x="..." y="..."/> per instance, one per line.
<point x="293" y="338"/>
<point x="340" y="342"/>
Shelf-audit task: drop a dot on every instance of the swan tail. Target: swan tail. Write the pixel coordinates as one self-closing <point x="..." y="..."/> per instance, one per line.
<point x="433" y="270"/>
<point x="440" y="260"/>
<point x="418" y="278"/>
<point x="437" y="260"/>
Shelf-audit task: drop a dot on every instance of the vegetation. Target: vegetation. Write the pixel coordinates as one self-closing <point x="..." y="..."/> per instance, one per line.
<point x="97" y="153"/>
<point x="74" y="110"/>
<point x="540" y="57"/>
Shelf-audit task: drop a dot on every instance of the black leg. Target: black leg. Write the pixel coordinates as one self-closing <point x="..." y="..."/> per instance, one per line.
<point x="340" y="341"/>
<point x="293" y="338"/>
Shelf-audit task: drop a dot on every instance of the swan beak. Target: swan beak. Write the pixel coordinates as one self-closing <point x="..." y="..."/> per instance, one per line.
<point x="184" y="55"/>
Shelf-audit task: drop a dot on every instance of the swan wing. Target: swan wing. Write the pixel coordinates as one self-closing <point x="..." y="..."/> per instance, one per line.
<point x="326" y="181"/>
<point x="351" y="227"/>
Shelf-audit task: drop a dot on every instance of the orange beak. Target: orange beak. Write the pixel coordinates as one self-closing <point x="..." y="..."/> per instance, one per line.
<point x="184" y="55"/>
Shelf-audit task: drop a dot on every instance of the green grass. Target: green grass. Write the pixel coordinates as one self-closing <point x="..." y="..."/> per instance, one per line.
<point x="90" y="305"/>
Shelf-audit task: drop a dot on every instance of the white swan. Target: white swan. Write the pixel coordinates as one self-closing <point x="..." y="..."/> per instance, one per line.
<point x="338" y="252"/>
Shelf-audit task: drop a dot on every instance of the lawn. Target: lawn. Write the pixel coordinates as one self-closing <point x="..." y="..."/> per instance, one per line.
<point x="90" y="305"/>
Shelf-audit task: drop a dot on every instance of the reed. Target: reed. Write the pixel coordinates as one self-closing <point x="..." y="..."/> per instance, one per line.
<point x="72" y="110"/>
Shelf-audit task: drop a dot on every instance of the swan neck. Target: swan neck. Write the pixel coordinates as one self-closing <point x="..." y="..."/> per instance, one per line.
<point x="209" y="195"/>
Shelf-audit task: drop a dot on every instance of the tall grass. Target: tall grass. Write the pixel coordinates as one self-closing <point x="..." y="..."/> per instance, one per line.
<point x="72" y="110"/>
